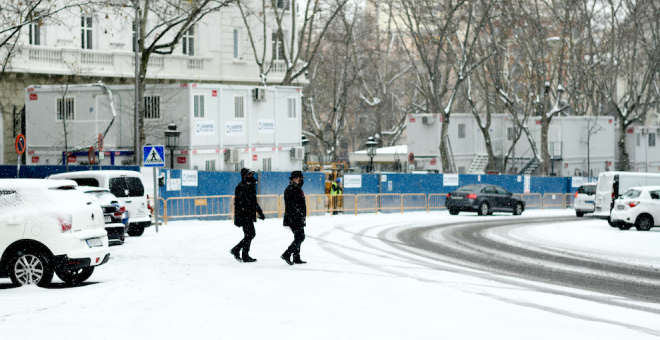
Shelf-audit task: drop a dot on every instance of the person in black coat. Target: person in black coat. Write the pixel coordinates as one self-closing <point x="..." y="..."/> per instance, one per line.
<point x="245" y="209"/>
<point x="295" y="214"/>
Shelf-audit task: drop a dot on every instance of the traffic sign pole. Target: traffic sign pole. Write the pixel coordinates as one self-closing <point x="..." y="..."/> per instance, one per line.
<point x="154" y="156"/>
<point x="20" y="144"/>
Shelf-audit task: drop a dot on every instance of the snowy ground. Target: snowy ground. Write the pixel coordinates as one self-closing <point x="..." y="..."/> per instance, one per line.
<point x="182" y="283"/>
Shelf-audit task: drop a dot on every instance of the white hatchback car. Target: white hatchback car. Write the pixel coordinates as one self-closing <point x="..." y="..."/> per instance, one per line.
<point x="49" y="228"/>
<point x="585" y="199"/>
<point x="639" y="207"/>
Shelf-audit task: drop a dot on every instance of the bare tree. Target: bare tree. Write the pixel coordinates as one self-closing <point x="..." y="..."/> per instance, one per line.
<point x="442" y="36"/>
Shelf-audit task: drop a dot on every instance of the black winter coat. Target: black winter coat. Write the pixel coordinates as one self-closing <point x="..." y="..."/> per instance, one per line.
<point x="295" y="207"/>
<point x="245" y="204"/>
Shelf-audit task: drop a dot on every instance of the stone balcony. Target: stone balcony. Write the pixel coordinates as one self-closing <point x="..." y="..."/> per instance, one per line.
<point x="107" y="63"/>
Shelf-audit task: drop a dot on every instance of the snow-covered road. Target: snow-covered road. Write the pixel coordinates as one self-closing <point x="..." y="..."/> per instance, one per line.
<point x="182" y="283"/>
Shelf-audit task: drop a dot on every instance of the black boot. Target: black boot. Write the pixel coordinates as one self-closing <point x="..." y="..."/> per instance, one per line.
<point x="247" y="258"/>
<point x="235" y="253"/>
<point x="297" y="260"/>
<point x="287" y="258"/>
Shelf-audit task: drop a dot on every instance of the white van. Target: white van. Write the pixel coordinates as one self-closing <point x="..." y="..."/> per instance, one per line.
<point x="612" y="184"/>
<point x="126" y="185"/>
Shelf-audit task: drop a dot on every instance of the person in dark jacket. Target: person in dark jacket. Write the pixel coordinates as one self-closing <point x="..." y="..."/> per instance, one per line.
<point x="295" y="214"/>
<point x="245" y="209"/>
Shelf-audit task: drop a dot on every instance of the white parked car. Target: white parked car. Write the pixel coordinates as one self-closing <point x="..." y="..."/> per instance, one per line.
<point x="585" y="197"/>
<point x="612" y="184"/>
<point x="126" y="186"/>
<point x="48" y="227"/>
<point x="639" y="207"/>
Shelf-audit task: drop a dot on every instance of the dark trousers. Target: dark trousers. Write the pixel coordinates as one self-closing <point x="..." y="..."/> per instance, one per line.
<point x="298" y="238"/>
<point x="249" y="233"/>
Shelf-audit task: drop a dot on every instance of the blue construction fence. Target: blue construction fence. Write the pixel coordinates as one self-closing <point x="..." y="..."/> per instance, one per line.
<point x="393" y="183"/>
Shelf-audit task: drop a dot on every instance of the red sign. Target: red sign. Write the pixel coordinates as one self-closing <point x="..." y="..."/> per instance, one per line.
<point x="20" y="144"/>
<point x="107" y="153"/>
<point x="71" y="159"/>
<point x="91" y="155"/>
<point x="412" y="120"/>
<point x="31" y="152"/>
<point x="33" y="96"/>
<point x="35" y="159"/>
<point x="631" y="130"/>
<point x="432" y="161"/>
<point x="538" y="122"/>
<point x="30" y="89"/>
<point x="181" y="160"/>
<point x="184" y="152"/>
<point x="214" y="93"/>
<point x="609" y="121"/>
<point x="254" y="157"/>
<point x="411" y="158"/>
<point x="100" y="142"/>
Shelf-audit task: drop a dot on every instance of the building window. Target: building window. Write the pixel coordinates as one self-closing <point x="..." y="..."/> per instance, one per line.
<point x="267" y="164"/>
<point x="65" y="108"/>
<point x="86" y="32"/>
<point x="35" y="33"/>
<point x="461" y="169"/>
<point x="461" y="131"/>
<point x="236" y="42"/>
<point x="291" y="107"/>
<point x="652" y="139"/>
<point x="152" y="107"/>
<point x="638" y="139"/>
<point x="189" y="41"/>
<point x="210" y="165"/>
<point x="278" y="47"/>
<point x="511" y="133"/>
<point x="198" y="106"/>
<point x="240" y="165"/>
<point x="239" y="105"/>
<point x="283" y="4"/>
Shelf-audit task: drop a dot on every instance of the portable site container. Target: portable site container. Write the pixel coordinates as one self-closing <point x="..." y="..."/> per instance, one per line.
<point x="223" y="127"/>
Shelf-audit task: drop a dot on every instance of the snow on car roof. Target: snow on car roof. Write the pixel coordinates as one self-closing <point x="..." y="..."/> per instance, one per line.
<point x="92" y="189"/>
<point x="646" y="187"/>
<point x="25" y="183"/>
<point x="77" y="174"/>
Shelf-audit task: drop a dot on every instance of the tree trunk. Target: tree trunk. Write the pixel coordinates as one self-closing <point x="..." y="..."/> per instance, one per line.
<point x="545" y="155"/>
<point x="444" y="151"/>
<point x="624" y="158"/>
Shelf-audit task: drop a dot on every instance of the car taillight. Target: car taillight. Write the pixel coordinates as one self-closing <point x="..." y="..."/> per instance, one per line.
<point x="122" y="209"/>
<point x="576" y="194"/>
<point x="117" y="212"/>
<point x="65" y="223"/>
<point x="633" y="204"/>
<point x="472" y="196"/>
<point x="448" y="196"/>
<point x="613" y="196"/>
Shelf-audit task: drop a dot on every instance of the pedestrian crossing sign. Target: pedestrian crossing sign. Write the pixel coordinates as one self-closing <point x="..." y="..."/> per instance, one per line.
<point x="154" y="156"/>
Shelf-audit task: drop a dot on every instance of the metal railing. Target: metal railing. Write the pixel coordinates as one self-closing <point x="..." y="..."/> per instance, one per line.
<point x="273" y="205"/>
<point x="553" y="200"/>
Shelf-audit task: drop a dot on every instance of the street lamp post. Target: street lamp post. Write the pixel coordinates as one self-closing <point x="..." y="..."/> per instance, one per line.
<point x="371" y="151"/>
<point x="305" y="145"/>
<point x="172" y="141"/>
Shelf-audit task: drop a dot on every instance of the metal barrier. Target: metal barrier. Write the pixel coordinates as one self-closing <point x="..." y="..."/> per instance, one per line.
<point x="366" y="202"/>
<point x="273" y="205"/>
<point x="270" y="205"/>
<point x="390" y="202"/>
<point x="436" y="201"/>
<point x="569" y="200"/>
<point x="203" y="206"/>
<point x="414" y="202"/>
<point x="555" y="200"/>
<point x="531" y="200"/>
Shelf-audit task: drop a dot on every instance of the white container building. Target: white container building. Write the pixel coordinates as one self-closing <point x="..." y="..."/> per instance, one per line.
<point x="223" y="127"/>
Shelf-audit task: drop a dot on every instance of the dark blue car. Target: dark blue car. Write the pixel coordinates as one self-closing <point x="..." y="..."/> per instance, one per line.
<point x="484" y="199"/>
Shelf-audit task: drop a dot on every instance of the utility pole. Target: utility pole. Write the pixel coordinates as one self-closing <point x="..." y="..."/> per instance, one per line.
<point x="136" y="118"/>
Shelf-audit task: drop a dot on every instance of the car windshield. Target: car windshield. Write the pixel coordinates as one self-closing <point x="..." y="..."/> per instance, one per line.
<point x="126" y="187"/>
<point x="466" y="188"/>
<point x="587" y="189"/>
<point x="632" y="193"/>
<point x="102" y="197"/>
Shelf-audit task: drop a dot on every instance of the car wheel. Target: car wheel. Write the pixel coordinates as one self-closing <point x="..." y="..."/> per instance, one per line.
<point x="453" y="211"/>
<point x="75" y="276"/>
<point x="136" y="231"/>
<point x="644" y="223"/>
<point x="30" y="268"/>
<point x="518" y="209"/>
<point x="483" y="209"/>
<point x="579" y="214"/>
